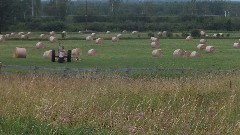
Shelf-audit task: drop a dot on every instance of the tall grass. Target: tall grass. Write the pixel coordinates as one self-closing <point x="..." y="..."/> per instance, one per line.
<point x="190" y="105"/>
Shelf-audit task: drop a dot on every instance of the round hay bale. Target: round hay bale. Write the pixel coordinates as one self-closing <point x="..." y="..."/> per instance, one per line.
<point x="214" y="35"/>
<point x="77" y="52"/>
<point x="164" y="33"/>
<point x="2" y="38"/>
<point x="64" y="32"/>
<point x="39" y="45"/>
<point x="23" y="36"/>
<point x="189" y="38"/>
<point x="42" y="36"/>
<point x="157" y="53"/>
<point x="20" y="33"/>
<point x="47" y="54"/>
<point x="119" y="35"/>
<point x="92" y="52"/>
<point x="135" y="33"/>
<point x="89" y="38"/>
<point x="195" y="54"/>
<point x="153" y="39"/>
<point x="179" y="53"/>
<point x="221" y="34"/>
<point x="203" y="41"/>
<point x="53" y="39"/>
<point x="7" y="36"/>
<point x="210" y="49"/>
<point x="124" y="31"/>
<point x="52" y="33"/>
<point x="236" y="45"/>
<point x="29" y="33"/>
<point x="13" y="34"/>
<point x="154" y="44"/>
<point x="19" y="53"/>
<point x="108" y="32"/>
<point x="80" y="32"/>
<point x="93" y="34"/>
<point x="99" y="41"/>
<point x="159" y="33"/>
<point x="115" y="39"/>
<point x="202" y="33"/>
<point x="201" y="46"/>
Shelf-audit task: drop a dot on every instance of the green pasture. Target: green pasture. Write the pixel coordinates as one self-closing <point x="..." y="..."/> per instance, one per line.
<point x="131" y="53"/>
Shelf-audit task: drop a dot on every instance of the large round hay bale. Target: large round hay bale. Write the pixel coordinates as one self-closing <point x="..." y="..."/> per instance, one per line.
<point x="115" y="39"/>
<point x="53" y="39"/>
<point x="189" y="38"/>
<point x="135" y="33"/>
<point x="93" y="34"/>
<point x="124" y="31"/>
<point x="64" y="32"/>
<point x="13" y="34"/>
<point x="89" y="38"/>
<point x="108" y="32"/>
<point x="52" y="33"/>
<point x="154" y="44"/>
<point x="159" y="33"/>
<point x="164" y="33"/>
<point x="203" y="41"/>
<point x="29" y="33"/>
<point x="19" y="53"/>
<point x="7" y="36"/>
<point x="39" y="45"/>
<point x="179" y="53"/>
<point x="210" y="49"/>
<point x="20" y="33"/>
<point x="236" y="45"/>
<point x="23" y="36"/>
<point x="154" y="39"/>
<point x="42" y="36"/>
<point x="195" y="54"/>
<point x="157" y="53"/>
<point x="201" y="46"/>
<point x="77" y="52"/>
<point x="202" y="33"/>
<point x="92" y="52"/>
<point x="214" y="35"/>
<point x="119" y="35"/>
<point x="2" y="38"/>
<point x="80" y="32"/>
<point x="99" y="41"/>
<point x="47" y="54"/>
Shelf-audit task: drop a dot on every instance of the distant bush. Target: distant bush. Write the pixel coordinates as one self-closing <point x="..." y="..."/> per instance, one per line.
<point x="54" y="26"/>
<point x="195" y="33"/>
<point x="150" y="34"/>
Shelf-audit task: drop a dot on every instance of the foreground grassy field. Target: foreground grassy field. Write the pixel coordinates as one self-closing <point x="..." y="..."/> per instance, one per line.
<point x="51" y="105"/>
<point x="134" y="53"/>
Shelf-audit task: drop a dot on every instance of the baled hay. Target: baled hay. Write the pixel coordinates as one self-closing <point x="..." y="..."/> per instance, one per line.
<point x="53" y="39"/>
<point x="154" y="44"/>
<point x="2" y="38"/>
<point x="80" y="32"/>
<point x="119" y="35"/>
<point x="93" y="34"/>
<point x="210" y="49"/>
<point x="39" y="45"/>
<point x="195" y="54"/>
<point x="77" y="52"/>
<point x="157" y="53"/>
<point x="13" y="34"/>
<point x="201" y="46"/>
<point x="202" y="33"/>
<point x="47" y="54"/>
<point x="189" y="38"/>
<point x="236" y="45"/>
<point x="124" y="31"/>
<point x="89" y="38"/>
<point x="203" y="41"/>
<point x="159" y="33"/>
<point x="186" y="53"/>
<point x="135" y="33"/>
<point x="108" y="32"/>
<point x="64" y="32"/>
<point x="215" y="35"/>
<point x="178" y="53"/>
<point x="92" y="52"/>
<point x="52" y="33"/>
<point x="99" y="41"/>
<point x="29" y="33"/>
<point x="23" y="36"/>
<point x="42" y="36"/>
<point x="115" y="39"/>
<point x="164" y="33"/>
<point x="7" y="36"/>
<point x="19" y="53"/>
<point x="153" y="39"/>
<point x="221" y="34"/>
<point x="20" y="33"/>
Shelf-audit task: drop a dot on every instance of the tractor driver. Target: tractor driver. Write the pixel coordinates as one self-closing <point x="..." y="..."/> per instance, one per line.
<point x="61" y="54"/>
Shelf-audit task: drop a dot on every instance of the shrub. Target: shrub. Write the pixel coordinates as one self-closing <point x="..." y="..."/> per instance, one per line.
<point x="195" y="33"/>
<point x="150" y="34"/>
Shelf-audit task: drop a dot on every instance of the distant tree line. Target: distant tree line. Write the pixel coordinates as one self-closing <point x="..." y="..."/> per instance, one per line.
<point x="70" y="15"/>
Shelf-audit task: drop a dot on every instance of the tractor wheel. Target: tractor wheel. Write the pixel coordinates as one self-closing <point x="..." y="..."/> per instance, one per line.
<point x="69" y="56"/>
<point x="53" y="56"/>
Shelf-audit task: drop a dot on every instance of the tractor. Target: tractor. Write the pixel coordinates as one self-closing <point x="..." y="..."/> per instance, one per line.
<point x="62" y="55"/>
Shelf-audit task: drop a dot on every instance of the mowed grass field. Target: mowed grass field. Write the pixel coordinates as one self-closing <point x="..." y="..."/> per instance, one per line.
<point x="131" y="53"/>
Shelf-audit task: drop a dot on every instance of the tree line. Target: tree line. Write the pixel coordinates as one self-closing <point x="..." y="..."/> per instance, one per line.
<point x="155" y="15"/>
